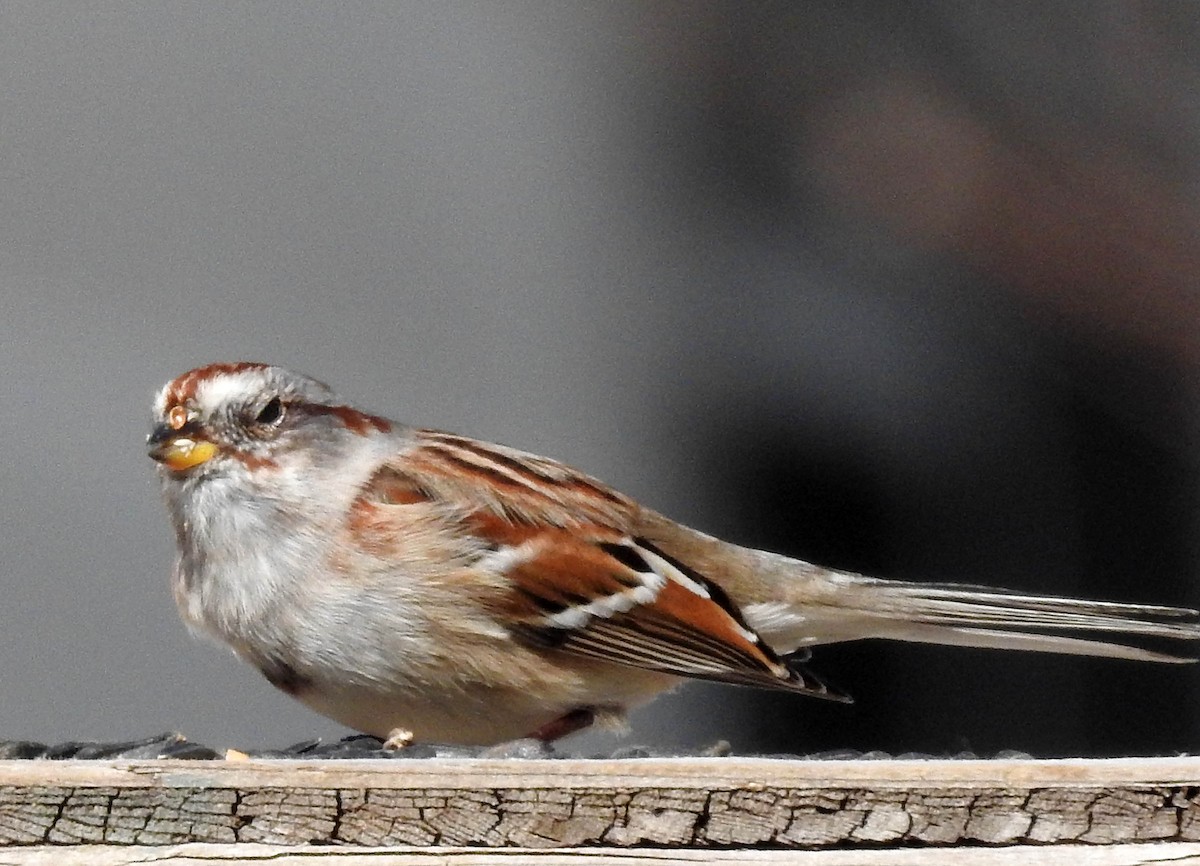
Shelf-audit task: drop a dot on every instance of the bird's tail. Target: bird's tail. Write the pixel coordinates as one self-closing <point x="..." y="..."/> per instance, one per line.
<point x="856" y="607"/>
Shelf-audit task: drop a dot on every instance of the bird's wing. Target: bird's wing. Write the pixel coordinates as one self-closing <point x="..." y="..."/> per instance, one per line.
<point x="574" y="578"/>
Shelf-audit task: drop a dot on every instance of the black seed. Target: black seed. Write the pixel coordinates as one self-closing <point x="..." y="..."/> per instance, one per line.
<point x="284" y="677"/>
<point x="21" y="750"/>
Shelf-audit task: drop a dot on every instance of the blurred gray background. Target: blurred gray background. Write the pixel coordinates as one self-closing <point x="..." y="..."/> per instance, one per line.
<point x="903" y="289"/>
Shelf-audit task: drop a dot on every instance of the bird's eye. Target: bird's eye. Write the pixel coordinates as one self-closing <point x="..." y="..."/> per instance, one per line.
<point x="270" y="413"/>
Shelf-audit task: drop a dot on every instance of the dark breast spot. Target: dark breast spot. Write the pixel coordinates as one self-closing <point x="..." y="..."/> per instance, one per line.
<point x="284" y="677"/>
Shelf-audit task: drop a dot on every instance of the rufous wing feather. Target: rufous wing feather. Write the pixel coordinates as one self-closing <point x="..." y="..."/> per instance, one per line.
<point x="576" y="581"/>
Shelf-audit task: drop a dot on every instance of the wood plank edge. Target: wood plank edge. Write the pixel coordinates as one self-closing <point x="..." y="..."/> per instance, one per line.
<point x="682" y="773"/>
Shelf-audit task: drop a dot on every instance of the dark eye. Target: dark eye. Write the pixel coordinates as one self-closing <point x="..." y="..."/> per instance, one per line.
<point x="270" y="413"/>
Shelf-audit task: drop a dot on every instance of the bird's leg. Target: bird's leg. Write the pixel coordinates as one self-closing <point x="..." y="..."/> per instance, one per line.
<point x="576" y="720"/>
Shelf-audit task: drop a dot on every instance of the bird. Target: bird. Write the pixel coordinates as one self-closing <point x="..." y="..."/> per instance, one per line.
<point x="418" y="585"/>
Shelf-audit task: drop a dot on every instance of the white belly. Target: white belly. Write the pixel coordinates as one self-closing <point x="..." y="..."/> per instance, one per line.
<point x="480" y="716"/>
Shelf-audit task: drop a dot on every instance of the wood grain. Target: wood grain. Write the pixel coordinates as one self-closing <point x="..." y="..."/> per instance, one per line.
<point x="199" y="854"/>
<point x="678" y="805"/>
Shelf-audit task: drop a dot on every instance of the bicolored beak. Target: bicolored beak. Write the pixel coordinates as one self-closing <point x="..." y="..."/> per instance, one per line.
<point x="179" y="449"/>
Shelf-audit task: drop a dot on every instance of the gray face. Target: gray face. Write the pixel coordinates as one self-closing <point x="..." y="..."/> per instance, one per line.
<point x="216" y="418"/>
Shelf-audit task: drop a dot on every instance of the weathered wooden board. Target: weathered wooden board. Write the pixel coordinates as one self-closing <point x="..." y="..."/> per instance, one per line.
<point x="200" y="854"/>
<point x="686" y="803"/>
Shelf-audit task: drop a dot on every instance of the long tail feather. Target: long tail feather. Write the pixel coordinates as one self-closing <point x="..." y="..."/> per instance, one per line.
<point x="978" y="616"/>
<point x="854" y="607"/>
<point x="951" y="604"/>
<point x="1048" y="643"/>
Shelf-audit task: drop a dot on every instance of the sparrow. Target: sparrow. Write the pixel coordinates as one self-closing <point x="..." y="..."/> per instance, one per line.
<point x="416" y="584"/>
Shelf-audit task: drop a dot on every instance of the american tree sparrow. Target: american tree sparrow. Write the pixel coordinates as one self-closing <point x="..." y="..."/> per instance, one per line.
<point x="402" y="579"/>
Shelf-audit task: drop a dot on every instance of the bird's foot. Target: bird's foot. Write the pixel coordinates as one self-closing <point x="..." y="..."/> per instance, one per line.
<point x="397" y="739"/>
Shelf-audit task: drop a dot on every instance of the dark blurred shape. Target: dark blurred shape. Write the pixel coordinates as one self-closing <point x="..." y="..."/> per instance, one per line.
<point x="967" y="327"/>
